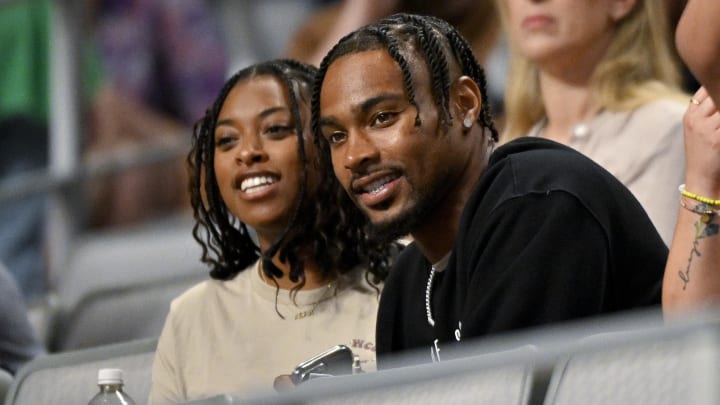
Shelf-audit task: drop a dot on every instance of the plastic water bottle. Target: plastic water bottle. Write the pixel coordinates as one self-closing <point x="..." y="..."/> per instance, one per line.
<point x="110" y="381"/>
<point x="356" y="367"/>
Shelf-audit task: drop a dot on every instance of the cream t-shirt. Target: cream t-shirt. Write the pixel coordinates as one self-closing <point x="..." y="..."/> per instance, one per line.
<point x="225" y="337"/>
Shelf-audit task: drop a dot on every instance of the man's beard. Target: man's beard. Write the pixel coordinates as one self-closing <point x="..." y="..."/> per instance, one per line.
<point x="404" y="223"/>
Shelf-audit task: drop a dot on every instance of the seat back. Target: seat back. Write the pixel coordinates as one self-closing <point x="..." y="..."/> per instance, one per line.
<point x="489" y="379"/>
<point x="114" y="315"/>
<point x="71" y="377"/>
<point x="641" y="368"/>
<point x="119" y="284"/>
<point x="5" y="381"/>
<point x="632" y="358"/>
<point x="420" y="385"/>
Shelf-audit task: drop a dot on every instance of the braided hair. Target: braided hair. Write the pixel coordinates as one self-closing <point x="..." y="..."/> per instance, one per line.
<point x="329" y="231"/>
<point x="432" y="40"/>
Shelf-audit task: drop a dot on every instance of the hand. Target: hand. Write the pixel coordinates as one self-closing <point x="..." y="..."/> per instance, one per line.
<point x="702" y="146"/>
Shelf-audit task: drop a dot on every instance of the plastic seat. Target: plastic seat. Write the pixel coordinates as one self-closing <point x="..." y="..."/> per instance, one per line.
<point x="120" y="284"/>
<point x="71" y="377"/>
<point x="661" y="367"/>
<point x="495" y="378"/>
<point x="5" y="381"/>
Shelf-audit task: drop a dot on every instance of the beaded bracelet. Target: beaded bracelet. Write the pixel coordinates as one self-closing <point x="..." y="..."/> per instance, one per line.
<point x="706" y="213"/>
<point x="708" y="201"/>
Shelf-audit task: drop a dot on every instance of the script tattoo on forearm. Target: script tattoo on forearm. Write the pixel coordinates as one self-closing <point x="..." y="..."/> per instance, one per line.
<point x="705" y="227"/>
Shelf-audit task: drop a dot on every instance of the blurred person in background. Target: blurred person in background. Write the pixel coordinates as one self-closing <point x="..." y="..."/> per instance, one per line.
<point x="24" y="115"/>
<point x="674" y="10"/>
<point x="18" y="342"/>
<point x="699" y="44"/>
<point x="477" y="20"/>
<point x="692" y="276"/>
<point x="600" y="77"/>
<point x="161" y="64"/>
<point x="314" y="279"/>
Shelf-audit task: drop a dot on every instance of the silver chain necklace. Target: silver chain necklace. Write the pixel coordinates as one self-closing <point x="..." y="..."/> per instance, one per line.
<point x="428" y="292"/>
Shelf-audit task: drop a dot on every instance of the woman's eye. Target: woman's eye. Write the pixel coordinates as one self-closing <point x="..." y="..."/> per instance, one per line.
<point x="279" y="129"/>
<point x="223" y="141"/>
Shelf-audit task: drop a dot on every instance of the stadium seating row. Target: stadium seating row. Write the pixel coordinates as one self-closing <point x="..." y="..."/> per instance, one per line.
<point x="627" y="359"/>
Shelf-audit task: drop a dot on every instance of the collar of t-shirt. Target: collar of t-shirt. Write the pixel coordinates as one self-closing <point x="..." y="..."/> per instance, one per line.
<point x="441" y="264"/>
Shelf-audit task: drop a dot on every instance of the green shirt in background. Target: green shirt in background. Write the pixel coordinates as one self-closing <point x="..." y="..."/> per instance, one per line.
<point x="24" y="46"/>
<point x="25" y="61"/>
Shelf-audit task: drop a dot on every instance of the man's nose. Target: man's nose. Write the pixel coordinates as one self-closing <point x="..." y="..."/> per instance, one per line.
<point x="359" y="151"/>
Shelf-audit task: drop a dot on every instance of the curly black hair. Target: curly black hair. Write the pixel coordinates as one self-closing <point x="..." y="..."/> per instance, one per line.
<point x="325" y="227"/>
<point x="431" y="40"/>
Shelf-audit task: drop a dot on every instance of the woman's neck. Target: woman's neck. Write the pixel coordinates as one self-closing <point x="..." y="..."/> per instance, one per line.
<point x="565" y="85"/>
<point x="567" y="103"/>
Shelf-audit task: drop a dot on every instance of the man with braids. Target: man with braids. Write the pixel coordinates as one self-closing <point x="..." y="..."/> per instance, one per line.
<point x="314" y="280"/>
<point x="530" y="234"/>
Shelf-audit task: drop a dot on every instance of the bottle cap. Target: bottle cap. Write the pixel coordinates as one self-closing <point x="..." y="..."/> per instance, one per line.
<point x="110" y="376"/>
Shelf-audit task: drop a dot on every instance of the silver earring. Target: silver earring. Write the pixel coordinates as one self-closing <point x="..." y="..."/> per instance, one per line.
<point x="467" y="123"/>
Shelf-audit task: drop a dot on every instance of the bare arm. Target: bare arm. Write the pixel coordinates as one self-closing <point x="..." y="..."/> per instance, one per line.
<point x="692" y="274"/>
<point x="698" y="42"/>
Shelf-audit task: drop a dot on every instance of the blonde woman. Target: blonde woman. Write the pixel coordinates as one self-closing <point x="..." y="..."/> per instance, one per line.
<point x="600" y="76"/>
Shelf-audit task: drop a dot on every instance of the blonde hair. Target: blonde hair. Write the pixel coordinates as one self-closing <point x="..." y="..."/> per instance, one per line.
<point x="638" y="67"/>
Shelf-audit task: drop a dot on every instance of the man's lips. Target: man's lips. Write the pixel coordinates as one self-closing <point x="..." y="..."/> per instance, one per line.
<point x="377" y="188"/>
<point x="372" y="183"/>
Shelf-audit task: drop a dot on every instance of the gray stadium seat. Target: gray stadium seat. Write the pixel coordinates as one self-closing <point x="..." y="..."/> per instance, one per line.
<point x="71" y="377"/>
<point x="5" y="382"/>
<point x="421" y="385"/>
<point x="493" y="378"/>
<point x="119" y="284"/>
<point x="631" y="358"/>
<point x="658" y="367"/>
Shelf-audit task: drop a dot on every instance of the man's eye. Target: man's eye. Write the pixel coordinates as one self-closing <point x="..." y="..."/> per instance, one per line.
<point x="336" y="137"/>
<point x="383" y="118"/>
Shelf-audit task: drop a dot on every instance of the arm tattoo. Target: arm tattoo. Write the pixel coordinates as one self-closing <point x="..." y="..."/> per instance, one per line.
<point x="705" y="227"/>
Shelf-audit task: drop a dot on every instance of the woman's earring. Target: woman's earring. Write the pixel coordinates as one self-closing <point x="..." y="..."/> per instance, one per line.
<point x="467" y="123"/>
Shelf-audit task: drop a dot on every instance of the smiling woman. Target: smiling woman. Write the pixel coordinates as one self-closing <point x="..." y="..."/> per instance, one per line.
<point x="253" y="166"/>
<point x="257" y="165"/>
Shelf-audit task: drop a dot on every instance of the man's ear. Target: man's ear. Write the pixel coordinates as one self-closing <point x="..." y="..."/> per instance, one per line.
<point x="619" y="9"/>
<point x="467" y="100"/>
